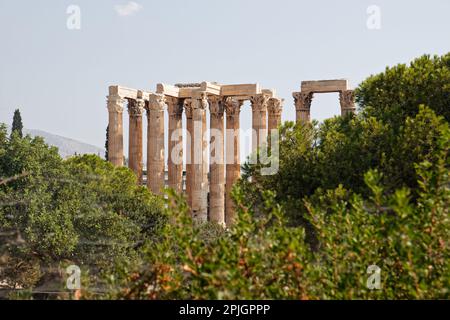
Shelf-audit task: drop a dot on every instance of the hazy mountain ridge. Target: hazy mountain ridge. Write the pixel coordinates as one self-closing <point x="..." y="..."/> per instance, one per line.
<point x="66" y="146"/>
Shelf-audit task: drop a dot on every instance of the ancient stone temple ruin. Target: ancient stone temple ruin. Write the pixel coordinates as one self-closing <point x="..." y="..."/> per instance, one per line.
<point x="222" y="165"/>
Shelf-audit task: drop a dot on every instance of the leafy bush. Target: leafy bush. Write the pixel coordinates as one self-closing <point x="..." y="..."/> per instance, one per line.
<point x="407" y="241"/>
<point x="264" y="258"/>
<point x="256" y="259"/>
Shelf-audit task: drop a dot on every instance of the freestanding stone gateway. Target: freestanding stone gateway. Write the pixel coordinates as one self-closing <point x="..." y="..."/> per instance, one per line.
<point x="304" y="98"/>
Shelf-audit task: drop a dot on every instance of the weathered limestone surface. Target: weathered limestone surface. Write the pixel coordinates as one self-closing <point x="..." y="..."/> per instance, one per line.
<point x="211" y="88"/>
<point x="167" y="90"/>
<point x="135" y="111"/>
<point x="217" y="163"/>
<point x="233" y="166"/>
<point x="189" y="90"/>
<point x="325" y="86"/>
<point x="115" y="138"/>
<point x="240" y="90"/>
<point x="128" y="93"/>
<point x="155" y="150"/>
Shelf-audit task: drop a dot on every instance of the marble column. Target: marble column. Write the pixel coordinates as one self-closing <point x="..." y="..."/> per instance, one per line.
<point x="189" y="149"/>
<point x="303" y="106"/>
<point x="175" y="155"/>
<point x="259" y="120"/>
<point x="135" y="111"/>
<point x="198" y="187"/>
<point x="205" y="151"/>
<point x="274" y="107"/>
<point x="155" y="142"/>
<point x="233" y="164"/>
<point x="115" y="136"/>
<point x="217" y="162"/>
<point x="347" y="100"/>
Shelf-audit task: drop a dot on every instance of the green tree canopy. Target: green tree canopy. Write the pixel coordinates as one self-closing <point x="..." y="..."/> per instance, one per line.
<point x="397" y="93"/>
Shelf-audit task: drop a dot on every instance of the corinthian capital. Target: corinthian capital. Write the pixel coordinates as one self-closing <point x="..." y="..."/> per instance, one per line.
<point x="259" y="102"/>
<point x="233" y="106"/>
<point x="200" y="101"/>
<point x="303" y="100"/>
<point x="136" y="107"/>
<point x="216" y="106"/>
<point x="115" y="103"/>
<point x="188" y="108"/>
<point x="347" y="99"/>
<point x="174" y="106"/>
<point x="156" y="102"/>
<point x="275" y="106"/>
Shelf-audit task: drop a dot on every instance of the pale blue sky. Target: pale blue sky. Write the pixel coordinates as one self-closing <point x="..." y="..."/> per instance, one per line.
<point x="59" y="78"/>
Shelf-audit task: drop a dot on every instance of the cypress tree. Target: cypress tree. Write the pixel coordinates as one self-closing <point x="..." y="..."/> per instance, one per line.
<point x="106" y="143"/>
<point x="17" y="125"/>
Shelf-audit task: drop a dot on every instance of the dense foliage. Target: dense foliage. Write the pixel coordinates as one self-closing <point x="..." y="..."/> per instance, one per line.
<point x="57" y="212"/>
<point x="397" y="93"/>
<point x="263" y="259"/>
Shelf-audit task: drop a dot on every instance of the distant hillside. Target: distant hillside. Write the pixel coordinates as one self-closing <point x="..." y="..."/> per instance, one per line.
<point x="67" y="147"/>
